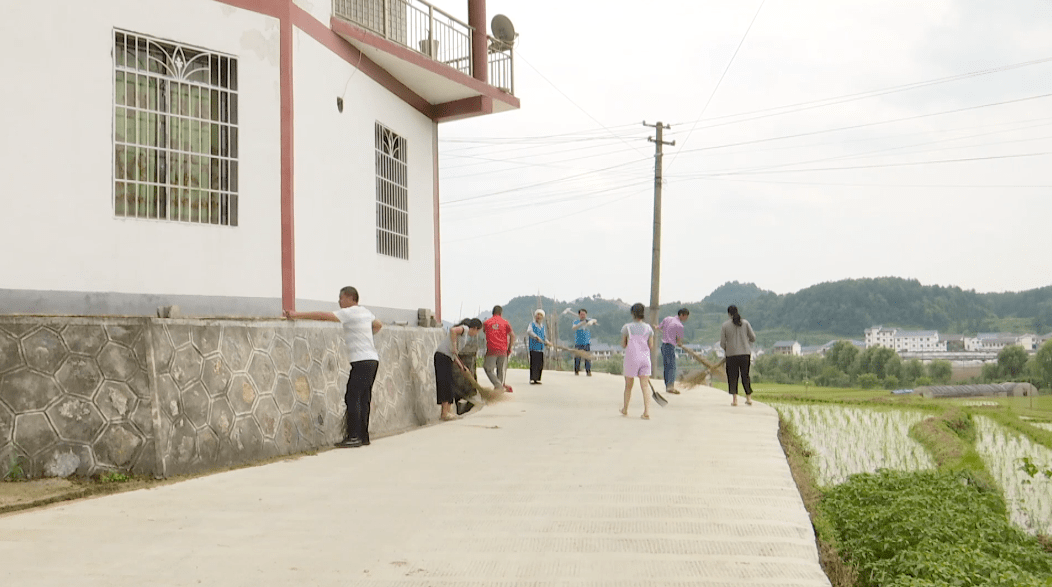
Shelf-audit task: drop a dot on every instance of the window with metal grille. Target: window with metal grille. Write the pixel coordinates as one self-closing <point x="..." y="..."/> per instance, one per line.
<point x="175" y="132"/>
<point x="392" y="194"/>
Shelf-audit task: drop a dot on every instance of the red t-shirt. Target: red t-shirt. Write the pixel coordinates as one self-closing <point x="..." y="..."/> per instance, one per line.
<point x="497" y="330"/>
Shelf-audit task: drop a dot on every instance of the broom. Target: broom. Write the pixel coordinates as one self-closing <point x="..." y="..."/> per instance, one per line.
<point x="575" y="352"/>
<point x="698" y="377"/>
<point x="487" y="393"/>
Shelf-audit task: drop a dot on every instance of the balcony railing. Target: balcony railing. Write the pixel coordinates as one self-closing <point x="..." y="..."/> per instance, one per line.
<point x="430" y="31"/>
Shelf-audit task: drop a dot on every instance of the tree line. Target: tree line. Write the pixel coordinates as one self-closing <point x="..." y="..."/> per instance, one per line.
<point x="817" y="314"/>
<point x="845" y="365"/>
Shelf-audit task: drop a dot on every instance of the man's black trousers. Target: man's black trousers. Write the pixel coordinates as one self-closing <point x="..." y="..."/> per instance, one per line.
<point x="358" y="398"/>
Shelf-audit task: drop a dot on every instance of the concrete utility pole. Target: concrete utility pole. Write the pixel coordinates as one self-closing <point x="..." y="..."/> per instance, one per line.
<point x="655" y="263"/>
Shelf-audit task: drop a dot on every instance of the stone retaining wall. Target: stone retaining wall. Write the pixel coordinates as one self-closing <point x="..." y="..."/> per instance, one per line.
<point x="170" y="397"/>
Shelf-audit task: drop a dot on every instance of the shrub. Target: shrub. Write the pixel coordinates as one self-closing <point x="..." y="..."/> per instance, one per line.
<point x="867" y="381"/>
<point x="891" y="382"/>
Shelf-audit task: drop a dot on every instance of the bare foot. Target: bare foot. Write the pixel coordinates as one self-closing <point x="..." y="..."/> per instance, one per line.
<point x="748" y="402"/>
<point x="645" y="416"/>
<point x="624" y="411"/>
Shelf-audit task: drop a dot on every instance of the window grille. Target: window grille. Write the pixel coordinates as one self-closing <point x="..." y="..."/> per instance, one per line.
<point x="175" y="132"/>
<point x="392" y="194"/>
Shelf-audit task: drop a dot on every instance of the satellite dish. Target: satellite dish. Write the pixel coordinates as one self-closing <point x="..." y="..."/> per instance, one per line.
<point x="503" y="30"/>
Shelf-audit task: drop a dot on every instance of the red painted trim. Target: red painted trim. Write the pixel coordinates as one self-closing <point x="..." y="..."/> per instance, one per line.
<point x="479" y="40"/>
<point x="345" y="29"/>
<point x="274" y="8"/>
<point x="463" y="108"/>
<point x="438" y="240"/>
<point x="288" y="150"/>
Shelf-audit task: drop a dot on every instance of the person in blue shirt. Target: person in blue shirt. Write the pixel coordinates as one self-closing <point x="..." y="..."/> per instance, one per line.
<point x="582" y="340"/>
<point x="537" y="339"/>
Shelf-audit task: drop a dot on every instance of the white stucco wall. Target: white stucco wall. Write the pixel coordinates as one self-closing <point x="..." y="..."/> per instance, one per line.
<point x="319" y="9"/>
<point x="58" y="230"/>
<point x="335" y="179"/>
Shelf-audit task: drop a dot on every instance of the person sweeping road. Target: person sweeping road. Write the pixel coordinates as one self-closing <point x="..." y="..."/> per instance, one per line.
<point x="637" y="338"/>
<point x="446" y="355"/>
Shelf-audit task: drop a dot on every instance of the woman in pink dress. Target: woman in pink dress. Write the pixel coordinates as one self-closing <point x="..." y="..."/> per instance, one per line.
<point x="637" y="338"/>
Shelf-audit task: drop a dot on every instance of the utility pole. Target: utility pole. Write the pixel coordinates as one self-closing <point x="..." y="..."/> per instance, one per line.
<point x="655" y="262"/>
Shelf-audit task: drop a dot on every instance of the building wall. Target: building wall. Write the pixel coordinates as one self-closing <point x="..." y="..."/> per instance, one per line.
<point x="58" y="189"/>
<point x="335" y="178"/>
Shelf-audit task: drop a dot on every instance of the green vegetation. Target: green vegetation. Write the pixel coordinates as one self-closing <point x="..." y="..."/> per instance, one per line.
<point x="845" y="365"/>
<point x="114" y="477"/>
<point x="913" y="529"/>
<point x="13" y="468"/>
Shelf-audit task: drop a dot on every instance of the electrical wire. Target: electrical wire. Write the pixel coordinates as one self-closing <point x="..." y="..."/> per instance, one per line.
<point x="549" y="182"/>
<point x="720" y="81"/>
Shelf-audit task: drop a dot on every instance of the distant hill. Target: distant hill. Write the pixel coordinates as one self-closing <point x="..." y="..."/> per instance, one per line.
<point x="732" y="292"/>
<point x="839" y="309"/>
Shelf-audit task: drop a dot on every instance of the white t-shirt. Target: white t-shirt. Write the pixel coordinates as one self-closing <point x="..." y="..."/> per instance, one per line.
<point x="358" y="333"/>
<point x="636" y="328"/>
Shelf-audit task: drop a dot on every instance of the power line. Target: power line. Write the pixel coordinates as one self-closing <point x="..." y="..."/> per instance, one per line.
<point x="549" y="182"/>
<point x="936" y="162"/>
<point x="720" y="81"/>
<point x="507" y="230"/>
<point x="865" y="125"/>
<point x="876" y="153"/>
<point x="877" y="185"/>
<point x="523" y="59"/>
<point x="870" y="93"/>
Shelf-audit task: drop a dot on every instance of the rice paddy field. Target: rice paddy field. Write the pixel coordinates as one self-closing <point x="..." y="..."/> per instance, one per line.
<point x="1029" y="497"/>
<point x="853" y="431"/>
<point x="850" y="440"/>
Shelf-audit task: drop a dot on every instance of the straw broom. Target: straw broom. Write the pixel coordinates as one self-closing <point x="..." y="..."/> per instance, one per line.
<point x="575" y="352"/>
<point x="699" y="377"/>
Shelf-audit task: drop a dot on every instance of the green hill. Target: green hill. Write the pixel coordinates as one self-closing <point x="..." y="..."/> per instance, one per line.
<point x="814" y="315"/>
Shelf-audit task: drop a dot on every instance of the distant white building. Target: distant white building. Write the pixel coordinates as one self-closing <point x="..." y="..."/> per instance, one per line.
<point x="905" y="341"/>
<point x="787" y="347"/>
<point x="996" y="341"/>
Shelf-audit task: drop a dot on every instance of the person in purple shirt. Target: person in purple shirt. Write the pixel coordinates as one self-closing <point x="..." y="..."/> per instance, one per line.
<point x="671" y="337"/>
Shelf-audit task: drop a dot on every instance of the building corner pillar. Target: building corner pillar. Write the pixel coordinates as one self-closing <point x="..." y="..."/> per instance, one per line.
<point x="479" y="40"/>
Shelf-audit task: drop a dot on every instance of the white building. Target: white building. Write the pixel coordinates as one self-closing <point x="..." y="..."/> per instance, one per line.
<point x="905" y="341"/>
<point x="231" y="157"/>
<point x="996" y="341"/>
<point x="787" y="347"/>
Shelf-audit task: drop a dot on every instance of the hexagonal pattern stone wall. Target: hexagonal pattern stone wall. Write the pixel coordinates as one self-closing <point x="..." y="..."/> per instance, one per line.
<point x="75" y="395"/>
<point x="171" y="397"/>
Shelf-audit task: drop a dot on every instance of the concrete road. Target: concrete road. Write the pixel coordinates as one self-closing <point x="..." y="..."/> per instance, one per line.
<point x="552" y="487"/>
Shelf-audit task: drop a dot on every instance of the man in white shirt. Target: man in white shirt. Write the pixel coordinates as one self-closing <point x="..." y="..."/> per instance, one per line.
<point x="359" y="326"/>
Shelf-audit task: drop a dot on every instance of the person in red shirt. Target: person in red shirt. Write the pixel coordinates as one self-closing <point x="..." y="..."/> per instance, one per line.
<point x="498" y="347"/>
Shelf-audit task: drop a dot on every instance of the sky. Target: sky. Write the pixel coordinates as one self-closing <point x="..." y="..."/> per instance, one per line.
<point x="814" y="141"/>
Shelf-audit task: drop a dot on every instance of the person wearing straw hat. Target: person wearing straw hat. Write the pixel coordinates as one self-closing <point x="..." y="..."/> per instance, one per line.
<point x="671" y="337"/>
<point x="446" y="354"/>
<point x="582" y="341"/>
<point x="637" y="338"/>
<point x="536" y="334"/>
<point x="736" y="338"/>
<point x="359" y="327"/>
<point x="499" y="336"/>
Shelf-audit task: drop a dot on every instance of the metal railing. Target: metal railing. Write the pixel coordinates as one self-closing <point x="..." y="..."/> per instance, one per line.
<point x="501" y="61"/>
<point x="414" y="24"/>
<point x="418" y="25"/>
